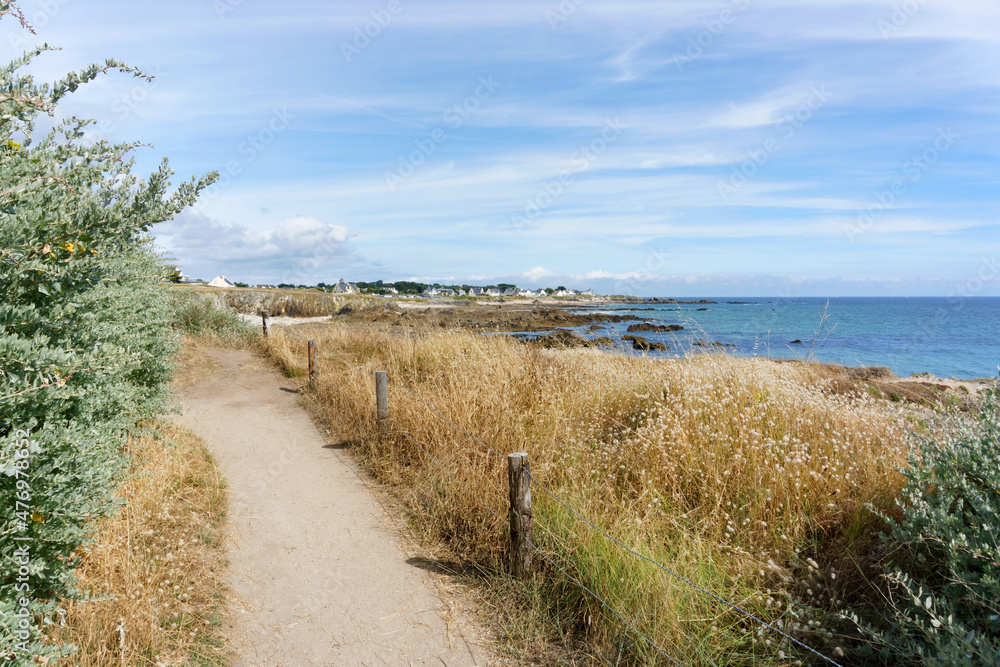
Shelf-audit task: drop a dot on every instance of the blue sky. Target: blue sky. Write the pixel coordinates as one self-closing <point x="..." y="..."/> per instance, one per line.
<point x="730" y="147"/>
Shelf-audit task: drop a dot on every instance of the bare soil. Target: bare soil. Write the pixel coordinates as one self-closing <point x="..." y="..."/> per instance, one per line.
<point x="318" y="574"/>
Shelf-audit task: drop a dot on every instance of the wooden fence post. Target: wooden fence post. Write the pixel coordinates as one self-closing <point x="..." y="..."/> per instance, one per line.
<point x="312" y="361"/>
<point x="382" y="397"/>
<point x="521" y="518"/>
<point x="263" y="317"/>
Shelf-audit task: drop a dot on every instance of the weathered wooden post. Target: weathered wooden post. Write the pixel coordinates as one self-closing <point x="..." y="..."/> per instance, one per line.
<point x="521" y="518"/>
<point x="382" y="397"/>
<point x="312" y="361"/>
<point x="263" y="318"/>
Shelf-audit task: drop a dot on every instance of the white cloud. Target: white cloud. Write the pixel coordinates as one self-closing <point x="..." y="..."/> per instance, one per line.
<point x="298" y="249"/>
<point x="537" y="274"/>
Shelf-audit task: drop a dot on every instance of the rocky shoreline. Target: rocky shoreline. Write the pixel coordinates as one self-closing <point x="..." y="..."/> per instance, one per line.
<point x="551" y="325"/>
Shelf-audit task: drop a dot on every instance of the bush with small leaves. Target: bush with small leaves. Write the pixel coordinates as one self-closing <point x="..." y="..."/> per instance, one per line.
<point x="85" y="339"/>
<point x="943" y="556"/>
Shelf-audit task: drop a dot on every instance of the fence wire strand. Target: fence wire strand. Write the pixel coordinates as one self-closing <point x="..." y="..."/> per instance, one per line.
<point x="600" y="599"/>
<point x="445" y="470"/>
<point x="352" y="400"/>
<point x="578" y="516"/>
<point x="469" y="435"/>
<point x="678" y="576"/>
<point x="425" y="402"/>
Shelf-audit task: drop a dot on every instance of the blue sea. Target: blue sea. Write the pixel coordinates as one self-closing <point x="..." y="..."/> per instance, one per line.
<point x="949" y="337"/>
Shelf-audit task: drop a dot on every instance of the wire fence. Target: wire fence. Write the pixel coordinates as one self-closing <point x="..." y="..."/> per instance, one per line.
<point x="579" y="516"/>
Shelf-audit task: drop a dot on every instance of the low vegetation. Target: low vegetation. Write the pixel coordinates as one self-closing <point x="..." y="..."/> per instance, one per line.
<point x="86" y="345"/>
<point x="153" y="569"/>
<point x="766" y="483"/>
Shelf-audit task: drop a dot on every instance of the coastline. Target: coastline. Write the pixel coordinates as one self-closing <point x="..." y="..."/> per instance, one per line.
<point x="570" y="320"/>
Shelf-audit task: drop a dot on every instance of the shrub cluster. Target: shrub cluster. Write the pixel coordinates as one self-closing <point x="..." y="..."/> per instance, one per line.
<point x="196" y="315"/>
<point x="943" y="555"/>
<point x="85" y="339"/>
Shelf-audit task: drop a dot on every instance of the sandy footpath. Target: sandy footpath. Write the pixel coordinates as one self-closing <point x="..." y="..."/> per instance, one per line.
<point x="318" y="572"/>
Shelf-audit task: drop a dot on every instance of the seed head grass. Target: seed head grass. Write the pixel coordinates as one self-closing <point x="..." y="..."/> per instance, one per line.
<point x="153" y="571"/>
<point x="753" y="479"/>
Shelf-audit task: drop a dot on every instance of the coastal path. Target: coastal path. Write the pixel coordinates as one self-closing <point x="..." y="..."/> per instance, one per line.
<point x="319" y="574"/>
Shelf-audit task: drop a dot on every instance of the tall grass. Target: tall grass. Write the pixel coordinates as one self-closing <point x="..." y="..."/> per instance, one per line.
<point x="153" y="569"/>
<point x="197" y="316"/>
<point x="752" y="479"/>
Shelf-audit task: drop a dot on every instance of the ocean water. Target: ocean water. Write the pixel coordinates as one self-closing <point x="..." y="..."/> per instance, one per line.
<point x="949" y="337"/>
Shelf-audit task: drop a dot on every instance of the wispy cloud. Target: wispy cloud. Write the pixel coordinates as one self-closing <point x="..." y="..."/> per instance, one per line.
<point x="687" y="129"/>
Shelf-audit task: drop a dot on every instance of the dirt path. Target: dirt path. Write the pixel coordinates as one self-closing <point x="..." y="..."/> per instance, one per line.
<point x="317" y="571"/>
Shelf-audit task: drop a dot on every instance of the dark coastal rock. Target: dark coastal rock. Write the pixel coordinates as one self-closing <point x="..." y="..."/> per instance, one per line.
<point x="640" y="343"/>
<point x="797" y="342"/>
<point x="594" y="327"/>
<point x="704" y="309"/>
<point x="708" y="343"/>
<point x="561" y="339"/>
<point x="871" y="373"/>
<point x="646" y="326"/>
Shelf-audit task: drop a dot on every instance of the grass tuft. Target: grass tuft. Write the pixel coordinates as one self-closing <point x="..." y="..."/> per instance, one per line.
<point x="153" y="570"/>
<point x="751" y="478"/>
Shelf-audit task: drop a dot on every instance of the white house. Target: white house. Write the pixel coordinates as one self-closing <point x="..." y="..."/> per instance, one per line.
<point x="493" y="292"/>
<point x="433" y="291"/>
<point x="589" y="292"/>
<point x="477" y="291"/>
<point x="344" y="287"/>
<point x="220" y="281"/>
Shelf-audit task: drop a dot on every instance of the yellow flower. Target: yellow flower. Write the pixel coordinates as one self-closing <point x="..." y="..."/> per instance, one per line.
<point x="70" y="246"/>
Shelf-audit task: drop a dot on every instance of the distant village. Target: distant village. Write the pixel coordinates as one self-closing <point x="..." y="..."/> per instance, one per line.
<point x="399" y="289"/>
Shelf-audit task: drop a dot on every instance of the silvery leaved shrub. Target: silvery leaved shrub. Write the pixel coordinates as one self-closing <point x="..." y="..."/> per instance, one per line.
<point x="85" y="339"/>
<point x="943" y="555"/>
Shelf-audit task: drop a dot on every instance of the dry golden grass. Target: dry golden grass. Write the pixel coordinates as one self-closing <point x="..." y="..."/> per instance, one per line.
<point x="154" y="569"/>
<point x="751" y="478"/>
